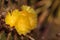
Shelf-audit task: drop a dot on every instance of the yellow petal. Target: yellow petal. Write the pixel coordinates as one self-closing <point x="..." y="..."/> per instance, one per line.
<point x="12" y="17"/>
<point x="23" y="25"/>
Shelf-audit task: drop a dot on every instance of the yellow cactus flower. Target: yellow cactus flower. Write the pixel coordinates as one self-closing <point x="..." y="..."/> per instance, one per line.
<point x="24" y="21"/>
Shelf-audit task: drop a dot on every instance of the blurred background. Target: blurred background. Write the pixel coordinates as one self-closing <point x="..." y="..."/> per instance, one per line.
<point x="48" y="12"/>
